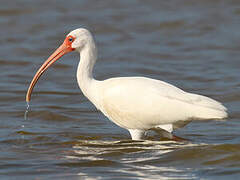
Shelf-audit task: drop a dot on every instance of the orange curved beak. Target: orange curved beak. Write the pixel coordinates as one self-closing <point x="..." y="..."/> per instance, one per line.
<point x="63" y="49"/>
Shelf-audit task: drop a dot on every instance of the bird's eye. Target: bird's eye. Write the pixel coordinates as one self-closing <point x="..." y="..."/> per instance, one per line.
<point x="70" y="39"/>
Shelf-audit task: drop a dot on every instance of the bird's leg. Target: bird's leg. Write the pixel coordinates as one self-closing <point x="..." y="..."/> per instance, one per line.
<point x="177" y="138"/>
<point x="137" y="134"/>
<point x="168" y="135"/>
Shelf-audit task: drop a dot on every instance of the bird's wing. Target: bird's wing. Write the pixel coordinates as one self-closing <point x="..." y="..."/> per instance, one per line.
<point x="141" y="102"/>
<point x="173" y="92"/>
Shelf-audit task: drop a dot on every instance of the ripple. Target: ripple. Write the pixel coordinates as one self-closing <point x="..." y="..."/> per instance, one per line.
<point x="192" y="44"/>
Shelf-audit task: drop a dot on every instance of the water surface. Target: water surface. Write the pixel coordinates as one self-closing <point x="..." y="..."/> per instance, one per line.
<point x="191" y="44"/>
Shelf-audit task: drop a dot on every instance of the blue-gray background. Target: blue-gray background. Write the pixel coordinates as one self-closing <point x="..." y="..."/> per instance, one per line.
<point x="194" y="45"/>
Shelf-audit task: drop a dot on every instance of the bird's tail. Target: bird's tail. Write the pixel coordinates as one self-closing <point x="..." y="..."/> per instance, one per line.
<point x="208" y="108"/>
<point x="211" y="113"/>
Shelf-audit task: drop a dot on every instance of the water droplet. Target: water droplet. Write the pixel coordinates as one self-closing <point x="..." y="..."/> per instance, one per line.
<point x="26" y="112"/>
<point x="28" y="105"/>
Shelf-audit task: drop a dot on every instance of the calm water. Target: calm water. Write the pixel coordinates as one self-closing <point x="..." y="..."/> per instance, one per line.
<point x="194" y="45"/>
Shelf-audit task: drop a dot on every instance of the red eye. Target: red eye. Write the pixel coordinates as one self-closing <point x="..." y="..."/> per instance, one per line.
<point x="69" y="40"/>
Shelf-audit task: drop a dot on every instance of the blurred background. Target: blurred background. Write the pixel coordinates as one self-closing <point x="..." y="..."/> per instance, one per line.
<point x="194" y="45"/>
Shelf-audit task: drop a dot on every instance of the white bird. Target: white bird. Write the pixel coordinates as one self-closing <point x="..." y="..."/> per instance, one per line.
<point x="137" y="104"/>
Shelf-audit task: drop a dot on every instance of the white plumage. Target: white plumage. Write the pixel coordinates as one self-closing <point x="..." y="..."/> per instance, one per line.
<point x="138" y="103"/>
<point x="140" y="98"/>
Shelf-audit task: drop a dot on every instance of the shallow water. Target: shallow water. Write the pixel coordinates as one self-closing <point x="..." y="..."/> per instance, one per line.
<point x="193" y="45"/>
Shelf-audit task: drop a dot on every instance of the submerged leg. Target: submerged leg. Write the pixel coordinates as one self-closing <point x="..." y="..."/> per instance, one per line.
<point x="137" y="134"/>
<point x="166" y="127"/>
<point x="177" y="138"/>
<point x="166" y="132"/>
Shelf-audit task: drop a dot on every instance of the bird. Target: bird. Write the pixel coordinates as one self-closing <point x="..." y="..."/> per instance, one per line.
<point x="137" y="104"/>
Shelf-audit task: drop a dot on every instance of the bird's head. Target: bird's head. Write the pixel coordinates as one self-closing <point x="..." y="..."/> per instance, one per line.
<point x="75" y="40"/>
<point x="78" y="38"/>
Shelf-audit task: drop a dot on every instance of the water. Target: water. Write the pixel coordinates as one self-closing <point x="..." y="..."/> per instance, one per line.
<point x="194" y="45"/>
<point x="26" y="111"/>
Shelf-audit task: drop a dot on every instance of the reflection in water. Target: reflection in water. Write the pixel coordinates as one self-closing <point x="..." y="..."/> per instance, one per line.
<point x="130" y="154"/>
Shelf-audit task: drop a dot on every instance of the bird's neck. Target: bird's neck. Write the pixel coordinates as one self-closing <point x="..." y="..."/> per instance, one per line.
<point x="87" y="83"/>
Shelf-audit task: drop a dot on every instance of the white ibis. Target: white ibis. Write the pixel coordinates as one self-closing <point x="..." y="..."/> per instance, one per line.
<point x="137" y="104"/>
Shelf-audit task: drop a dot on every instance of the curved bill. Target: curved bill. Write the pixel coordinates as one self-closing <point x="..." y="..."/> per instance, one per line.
<point x="63" y="49"/>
